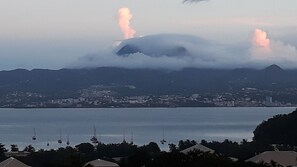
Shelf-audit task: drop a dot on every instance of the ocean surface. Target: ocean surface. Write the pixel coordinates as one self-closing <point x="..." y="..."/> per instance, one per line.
<point x="141" y="125"/>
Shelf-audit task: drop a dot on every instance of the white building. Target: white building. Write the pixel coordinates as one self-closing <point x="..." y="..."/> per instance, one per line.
<point x="12" y="162"/>
<point x="101" y="163"/>
<point x="284" y="158"/>
<point x="197" y="147"/>
<point x="268" y="101"/>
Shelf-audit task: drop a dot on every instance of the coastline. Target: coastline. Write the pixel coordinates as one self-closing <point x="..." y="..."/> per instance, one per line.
<point x="156" y="107"/>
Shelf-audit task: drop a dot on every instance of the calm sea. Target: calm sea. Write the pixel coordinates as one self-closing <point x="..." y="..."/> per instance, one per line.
<point x="142" y="125"/>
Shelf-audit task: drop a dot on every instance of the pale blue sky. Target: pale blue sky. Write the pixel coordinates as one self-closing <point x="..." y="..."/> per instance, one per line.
<point x="55" y="33"/>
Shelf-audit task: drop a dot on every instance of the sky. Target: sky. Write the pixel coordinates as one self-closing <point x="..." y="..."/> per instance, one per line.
<point x="56" y="34"/>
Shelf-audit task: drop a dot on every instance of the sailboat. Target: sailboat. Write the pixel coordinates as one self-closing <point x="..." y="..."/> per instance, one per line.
<point x="124" y="137"/>
<point x="94" y="139"/>
<point x="60" y="139"/>
<point x="163" y="141"/>
<point x="34" y="135"/>
<point x="132" y="137"/>
<point x="68" y="142"/>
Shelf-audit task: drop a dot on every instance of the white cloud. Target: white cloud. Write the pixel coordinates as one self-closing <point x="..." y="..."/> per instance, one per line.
<point x="160" y="52"/>
<point x="272" y="51"/>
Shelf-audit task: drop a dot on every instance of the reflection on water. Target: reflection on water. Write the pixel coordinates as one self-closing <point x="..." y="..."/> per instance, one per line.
<point x="146" y="124"/>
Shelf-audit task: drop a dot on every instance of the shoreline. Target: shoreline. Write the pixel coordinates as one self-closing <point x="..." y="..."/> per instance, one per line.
<point x="181" y="107"/>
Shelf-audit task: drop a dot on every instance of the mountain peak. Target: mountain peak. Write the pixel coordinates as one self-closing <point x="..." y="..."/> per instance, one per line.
<point x="128" y="49"/>
<point x="273" y="68"/>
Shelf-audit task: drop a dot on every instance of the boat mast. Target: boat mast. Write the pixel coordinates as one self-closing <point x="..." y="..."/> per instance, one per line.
<point x="60" y="139"/>
<point x="163" y="141"/>
<point x="132" y="137"/>
<point x="68" y="142"/>
<point x="124" y="136"/>
<point x="94" y="139"/>
<point x="34" y="135"/>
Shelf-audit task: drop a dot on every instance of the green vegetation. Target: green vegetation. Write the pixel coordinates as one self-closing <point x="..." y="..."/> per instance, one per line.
<point x="197" y="158"/>
<point x="131" y="156"/>
<point x="242" y="151"/>
<point x="82" y="153"/>
<point x="2" y="151"/>
<point x="281" y="130"/>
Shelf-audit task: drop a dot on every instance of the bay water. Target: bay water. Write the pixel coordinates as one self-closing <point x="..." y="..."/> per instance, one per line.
<point x="140" y="125"/>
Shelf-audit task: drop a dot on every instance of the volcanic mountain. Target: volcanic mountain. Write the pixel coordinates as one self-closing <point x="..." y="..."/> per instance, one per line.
<point x="171" y="45"/>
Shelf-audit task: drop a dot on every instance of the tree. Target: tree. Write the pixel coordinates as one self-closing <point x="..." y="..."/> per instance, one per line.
<point x="14" y="148"/>
<point x="172" y="148"/>
<point x="281" y="129"/>
<point x="2" y="151"/>
<point x="29" y="148"/>
<point x="152" y="147"/>
<point x="85" y="147"/>
<point x="2" y="148"/>
<point x="185" y="144"/>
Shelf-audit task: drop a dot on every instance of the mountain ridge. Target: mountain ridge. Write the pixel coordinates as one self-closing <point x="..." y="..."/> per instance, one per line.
<point x="146" y="81"/>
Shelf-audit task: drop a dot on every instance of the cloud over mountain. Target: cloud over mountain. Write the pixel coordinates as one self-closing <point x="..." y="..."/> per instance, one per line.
<point x="170" y="45"/>
<point x="167" y="51"/>
<point x="176" y="51"/>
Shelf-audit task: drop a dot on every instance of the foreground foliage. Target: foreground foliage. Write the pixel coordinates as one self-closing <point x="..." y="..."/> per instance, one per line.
<point x="281" y="129"/>
<point x="130" y="155"/>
